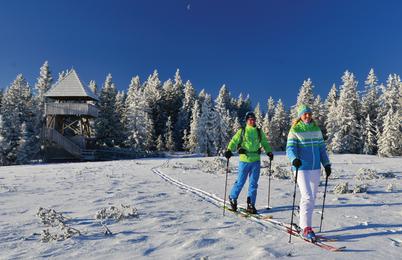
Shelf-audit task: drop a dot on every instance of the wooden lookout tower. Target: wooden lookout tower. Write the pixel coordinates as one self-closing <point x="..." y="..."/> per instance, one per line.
<point x="70" y="114"/>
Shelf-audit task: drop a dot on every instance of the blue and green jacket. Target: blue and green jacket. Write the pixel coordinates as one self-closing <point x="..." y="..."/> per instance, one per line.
<point x="306" y="143"/>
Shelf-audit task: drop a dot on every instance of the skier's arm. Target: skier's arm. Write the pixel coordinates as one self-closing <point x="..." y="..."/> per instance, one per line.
<point x="291" y="146"/>
<point x="323" y="154"/>
<point x="264" y="143"/>
<point x="232" y="146"/>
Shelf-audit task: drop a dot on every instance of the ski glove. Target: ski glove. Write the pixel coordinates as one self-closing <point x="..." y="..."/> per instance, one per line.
<point x="296" y="163"/>
<point x="228" y="154"/>
<point x="270" y="155"/>
<point x="242" y="151"/>
<point x="328" y="170"/>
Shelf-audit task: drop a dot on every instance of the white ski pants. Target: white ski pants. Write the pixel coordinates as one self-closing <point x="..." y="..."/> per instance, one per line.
<point x="308" y="181"/>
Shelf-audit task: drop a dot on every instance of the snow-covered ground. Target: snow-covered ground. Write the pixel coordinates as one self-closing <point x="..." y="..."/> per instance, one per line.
<point x="172" y="222"/>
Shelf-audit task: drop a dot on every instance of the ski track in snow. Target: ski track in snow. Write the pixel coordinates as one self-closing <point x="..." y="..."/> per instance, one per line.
<point x="187" y="222"/>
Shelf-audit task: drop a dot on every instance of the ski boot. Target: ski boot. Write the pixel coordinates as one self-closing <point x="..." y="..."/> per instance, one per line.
<point x="309" y="234"/>
<point x="250" y="207"/>
<point x="233" y="203"/>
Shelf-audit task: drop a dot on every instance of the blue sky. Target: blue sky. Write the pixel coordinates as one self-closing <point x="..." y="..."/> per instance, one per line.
<point x="261" y="47"/>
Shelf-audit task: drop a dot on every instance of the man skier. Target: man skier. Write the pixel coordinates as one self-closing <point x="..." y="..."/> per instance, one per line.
<point x="248" y="141"/>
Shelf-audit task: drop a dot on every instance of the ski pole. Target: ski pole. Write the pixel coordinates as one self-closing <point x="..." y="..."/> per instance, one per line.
<point x="269" y="182"/>
<point x="293" y="206"/>
<point x="226" y="184"/>
<point x="323" y="201"/>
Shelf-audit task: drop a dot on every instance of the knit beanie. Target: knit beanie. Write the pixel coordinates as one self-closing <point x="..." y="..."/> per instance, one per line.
<point x="303" y="109"/>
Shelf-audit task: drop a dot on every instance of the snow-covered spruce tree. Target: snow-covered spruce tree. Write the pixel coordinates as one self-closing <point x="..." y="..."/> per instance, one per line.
<point x="347" y="138"/>
<point x="193" y="136"/>
<point x="389" y="99"/>
<point x="201" y="96"/>
<point x="62" y="75"/>
<point x="137" y="116"/>
<point x="266" y="127"/>
<point x="108" y="126"/>
<point x="172" y="102"/>
<point x="305" y="96"/>
<point x="26" y="149"/>
<point x="330" y="122"/>
<point x="270" y="108"/>
<point x="223" y="122"/>
<point x="153" y="92"/>
<point x="369" y="136"/>
<point x="389" y="143"/>
<point x="320" y="114"/>
<point x="122" y="114"/>
<point x="370" y="98"/>
<point x="92" y="86"/>
<point x="160" y="145"/>
<point x="42" y="85"/>
<point x="183" y="121"/>
<point x="2" y="141"/>
<point x="258" y="115"/>
<point x="18" y="108"/>
<point x="207" y="128"/>
<point x="279" y="127"/>
<point x="243" y="106"/>
<point x="169" y="143"/>
<point x="235" y="126"/>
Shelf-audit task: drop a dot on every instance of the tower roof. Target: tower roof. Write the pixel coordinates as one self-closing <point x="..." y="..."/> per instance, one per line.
<point x="71" y="87"/>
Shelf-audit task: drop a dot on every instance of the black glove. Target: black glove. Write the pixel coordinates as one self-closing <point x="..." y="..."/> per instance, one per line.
<point x="270" y="155"/>
<point x="328" y="170"/>
<point x="228" y="154"/>
<point x="242" y="151"/>
<point x="296" y="163"/>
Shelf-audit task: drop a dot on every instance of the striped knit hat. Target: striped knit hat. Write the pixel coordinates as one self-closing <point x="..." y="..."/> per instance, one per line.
<point x="303" y="109"/>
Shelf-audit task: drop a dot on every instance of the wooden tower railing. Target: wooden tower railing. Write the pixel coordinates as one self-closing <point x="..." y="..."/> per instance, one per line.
<point x="71" y="109"/>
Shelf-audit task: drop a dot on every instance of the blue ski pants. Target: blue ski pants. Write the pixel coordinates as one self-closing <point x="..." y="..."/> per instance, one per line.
<point x="253" y="171"/>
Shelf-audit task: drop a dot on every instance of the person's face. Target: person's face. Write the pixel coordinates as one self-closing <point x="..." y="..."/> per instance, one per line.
<point x="251" y="121"/>
<point x="306" y="118"/>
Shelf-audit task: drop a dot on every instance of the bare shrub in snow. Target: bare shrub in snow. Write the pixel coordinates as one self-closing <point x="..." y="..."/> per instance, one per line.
<point x="115" y="213"/>
<point x="387" y="174"/>
<point x="360" y="188"/>
<point x="366" y="174"/>
<point x="7" y="188"/>
<point x="59" y="229"/>
<point x="277" y="172"/>
<point x="390" y="187"/>
<point x="341" y="188"/>
<point x="217" y="165"/>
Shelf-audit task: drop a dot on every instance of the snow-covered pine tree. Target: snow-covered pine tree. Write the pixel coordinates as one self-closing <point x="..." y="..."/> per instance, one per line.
<point x="2" y="141"/>
<point x="389" y="99"/>
<point x="369" y="136"/>
<point x="389" y="143"/>
<point x="305" y="96"/>
<point x="42" y="86"/>
<point x="108" y="126"/>
<point x="18" y="108"/>
<point x="320" y="114"/>
<point x="279" y="127"/>
<point x="122" y="114"/>
<point x="347" y="138"/>
<point x="207" y="128"/>
<point x="92" y="86"/>
<point x="243" y="106"/>
<point x="330" y="122"/>
<point x="235" y="126"/>
<point x="370" y="98"/>
<point x="169" y="144"/>
<point x="258" y="115"/>
<point x="160" y="146"/>
<point x="183" y="121"/>
<point x="270" y="108"/>
<point x="193" y="136"/>
<point x="201" y="96"/>
<point x="223" y="131"/>
<point x="266" y="127"/>
<point x="137" y="116"/>
<point x="172" y="102"/>
<point x="153" y="92"/>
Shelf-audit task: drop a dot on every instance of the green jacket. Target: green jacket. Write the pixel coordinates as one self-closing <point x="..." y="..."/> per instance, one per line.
<point x="251" y="143"/>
